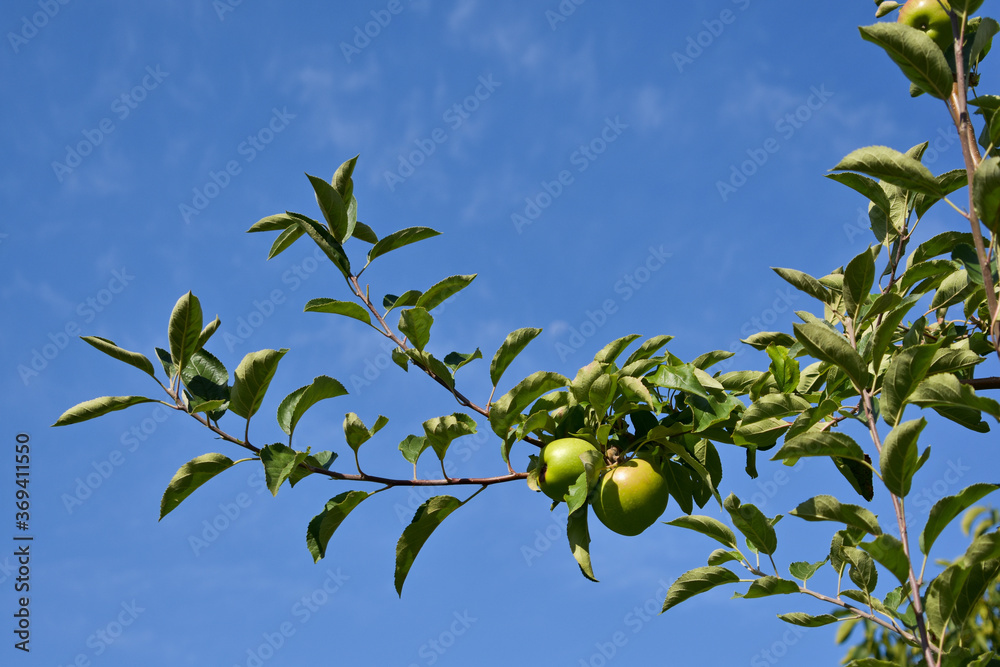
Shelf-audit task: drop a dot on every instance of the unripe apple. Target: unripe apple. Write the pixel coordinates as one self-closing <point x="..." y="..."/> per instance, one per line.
<point x="559" y="465"/>
<point x="631" y="496"/>
<point x="929" y="17"/>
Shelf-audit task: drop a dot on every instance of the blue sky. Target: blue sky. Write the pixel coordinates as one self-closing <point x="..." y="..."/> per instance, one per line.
<point x="572" y="159"/>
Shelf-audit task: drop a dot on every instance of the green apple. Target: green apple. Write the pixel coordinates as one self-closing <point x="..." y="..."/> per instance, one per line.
<point x="559" y="465"/>
<point x="631" y="496"/>
<point x="929" y="17"/>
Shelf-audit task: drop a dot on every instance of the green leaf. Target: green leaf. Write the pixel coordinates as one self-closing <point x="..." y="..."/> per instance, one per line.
<point x="413" y="446"/>
<point x="441" y="431"/>
<point x="859" y="474"/>
<point x="888" y="552"/>
<point x="983" y="548"/>
<point x="612" y="350"/>
<point x="323" y="525"/>
<point x="284" y="240"/>
<point x="579" y="541"/>
<point x="986" y="193"/>
<point x="648" y="349"/>
<point x="784" y="368"/>
<point x="97" y="407"/>
<point x="515" y="342"/>
<point x="442" y="291"/>
<point x="207" y="382"/>
<point x="804" y="571"/>
<point x="826" y="345"/>
<point x="863" y="571"/>
<point x="807" y="621"/>
<point x="415" y="324"/>
<point x="189" y="477"/>
<point x="357" y="434"/>
<point x="407" y="298"/>
<point x="456" y="360"/>
<point x="899" y="459"/>
<point x="342" y="181"/>
<point x="769" y="585"/>
<point x="507" y="409"/>
<point x="949" y="507"/>
<point x="273" y="223"/>
<point x="323" y="238"/>
<point x="866" y="186"/>
<point x="859" y="277"/>
<point x="946" y="391"/>
<point x="750" y="521"/>
<point x="252" y="378"/>
<point x="345" y="308"/>
<point x="427" y="361"/>
<point x="892" y="167"/>
<point x="333" y="207"/>
<point x="322" y="460"/>
<point x="109" y="348"/>
<point x="697" y="581"/>
<point x="399" y="239"/>
<point x="804" y="283"/>
<point x="294" y="406"/>
<point x="707" y="525"/>
<point x="427" y="518"/>
<point x="681" y="378"/>
<point x="916" y="54"/>
<point x="938" y="245"/>
<point x="907" y="370"/>
<point x="981" y="578"/>
<point x="365" y="233"/>
<point x="820" y="443"/>
<point x="940" y="598"/>
<point x="279" y="461"/>
<point x="828" y="508"/>
<point x="720" y="556"/>
<point x="184" y="330"/>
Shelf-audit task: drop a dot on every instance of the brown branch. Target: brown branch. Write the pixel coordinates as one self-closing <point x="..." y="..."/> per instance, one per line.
<point x="983" y="383"/>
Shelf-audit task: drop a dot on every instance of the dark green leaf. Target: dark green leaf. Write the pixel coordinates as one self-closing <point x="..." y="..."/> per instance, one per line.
<point x="899" y="458"/>
<point x="323" y="525"/>
<point x="805" y="283"/>
<point x="415" y="324"/>
<point x="97" y="407"/>
<point x="427" y="518"/>
<point x="323" y="238"/>
<point x="706" y="525"/>
<point x="681" y="378"/>
<point x="828" y="508"/>
<point x="986" y="197"/>
<point x="516" y="341"/>
<point x="442" y="291"/>
<point x="766" y="586"/>
<point x="346" y="308"/>
<point x="826" y="345"/>
<point x="252" y="378"/>
<point x="294" y="406"/>
<point x="399" y="239"/>
<point x="697" y="581"/>
<point x="905" y="373"/>
<point x="859" y="276"/>
<point x="184" y="330"/>
<point x="456" y="360"/>
<point x="920" y="59"/>
<point x="820" y="443"/>
<point x="131" y="358"/>
<point x="949" y="507"/>
<point x="888" y="552"/>
<point x="579" y="541"/>
<point x="279" y="461"/>
<point x="333" y="207"/>
<point x="191" y="475"/>
<point x="753" y="524"/>
<point x="807" y="621"/>
<point x="506" y="410"/>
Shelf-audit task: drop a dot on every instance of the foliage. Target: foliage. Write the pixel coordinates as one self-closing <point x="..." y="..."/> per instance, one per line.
<point x="904" y="323"/>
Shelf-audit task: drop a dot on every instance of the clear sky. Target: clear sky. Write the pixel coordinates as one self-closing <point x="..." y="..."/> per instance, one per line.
<point x="580" y="157"/>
